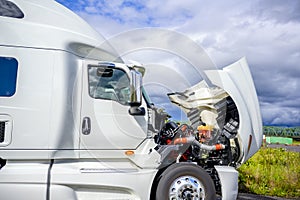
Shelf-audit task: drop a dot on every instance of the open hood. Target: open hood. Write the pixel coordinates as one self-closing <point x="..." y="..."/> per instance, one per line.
<point x="230" y="106"/>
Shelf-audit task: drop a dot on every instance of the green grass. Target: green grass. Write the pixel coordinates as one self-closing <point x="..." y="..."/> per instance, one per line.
<point x="272" y="172"/>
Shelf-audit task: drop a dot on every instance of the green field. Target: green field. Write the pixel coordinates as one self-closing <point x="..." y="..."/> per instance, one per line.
<point x="272" y="172"/>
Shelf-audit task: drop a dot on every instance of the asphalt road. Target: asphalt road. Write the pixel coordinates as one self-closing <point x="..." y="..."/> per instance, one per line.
<point x="287" y="147"/>
<point x="244" y="196"/>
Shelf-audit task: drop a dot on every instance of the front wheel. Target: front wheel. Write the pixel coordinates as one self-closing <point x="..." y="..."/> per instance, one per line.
<point x="185" y="181"/>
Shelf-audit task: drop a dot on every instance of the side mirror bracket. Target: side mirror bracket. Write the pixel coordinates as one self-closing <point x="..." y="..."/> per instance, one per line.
<point x="137" y="111"/>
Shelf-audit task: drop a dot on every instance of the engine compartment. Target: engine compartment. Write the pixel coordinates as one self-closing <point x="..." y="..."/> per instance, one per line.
<point x="201" y="143"/>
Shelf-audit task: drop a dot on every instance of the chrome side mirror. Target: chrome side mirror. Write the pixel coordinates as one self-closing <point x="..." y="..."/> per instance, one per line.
<point x="136" y="82"/>
<point x="135" y="88"/>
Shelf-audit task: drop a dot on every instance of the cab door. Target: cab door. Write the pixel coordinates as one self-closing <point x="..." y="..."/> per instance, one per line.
<point x="105" y="120"/>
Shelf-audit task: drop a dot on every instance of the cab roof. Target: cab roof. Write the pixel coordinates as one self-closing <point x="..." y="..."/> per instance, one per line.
<point x="49" y="25"/>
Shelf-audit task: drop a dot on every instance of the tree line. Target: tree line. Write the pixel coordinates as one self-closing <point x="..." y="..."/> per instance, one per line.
<point x="293" y="132"/>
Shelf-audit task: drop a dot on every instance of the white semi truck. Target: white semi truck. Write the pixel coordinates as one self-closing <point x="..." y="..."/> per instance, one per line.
<point x="76" y="123"/>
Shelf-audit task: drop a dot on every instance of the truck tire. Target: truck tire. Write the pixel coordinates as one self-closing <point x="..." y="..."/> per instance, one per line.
<point x="186" y="181"/>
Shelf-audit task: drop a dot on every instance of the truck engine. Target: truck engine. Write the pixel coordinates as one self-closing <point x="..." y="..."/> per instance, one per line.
<point x="201" y="143"/>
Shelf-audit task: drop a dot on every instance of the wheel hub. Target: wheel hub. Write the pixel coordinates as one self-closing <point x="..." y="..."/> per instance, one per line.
<point x="186" y="188"/>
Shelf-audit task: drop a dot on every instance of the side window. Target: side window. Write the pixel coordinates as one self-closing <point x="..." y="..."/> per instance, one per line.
<point x="109" y="83"/>
<point x="8" y="76"/>
<point x="9" y="9"/>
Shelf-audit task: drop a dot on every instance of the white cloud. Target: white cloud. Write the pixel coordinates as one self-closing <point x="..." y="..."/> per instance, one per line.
<point x="266" y="32"/>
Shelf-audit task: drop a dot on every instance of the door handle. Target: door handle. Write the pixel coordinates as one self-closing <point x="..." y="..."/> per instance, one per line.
<point x="86" y="126"/>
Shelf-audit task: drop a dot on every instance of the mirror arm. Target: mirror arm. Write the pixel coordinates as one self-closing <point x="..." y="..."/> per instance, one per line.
<point x="136" y="110"/>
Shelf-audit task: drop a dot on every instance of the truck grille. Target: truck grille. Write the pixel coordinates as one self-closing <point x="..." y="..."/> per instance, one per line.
<point x="2" y="131"/>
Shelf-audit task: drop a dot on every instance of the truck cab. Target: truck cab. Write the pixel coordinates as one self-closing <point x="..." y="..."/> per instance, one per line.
<point x="76" y="123"/>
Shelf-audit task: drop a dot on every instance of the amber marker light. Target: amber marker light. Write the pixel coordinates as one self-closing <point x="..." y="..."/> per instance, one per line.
<point x="129" y="153"/>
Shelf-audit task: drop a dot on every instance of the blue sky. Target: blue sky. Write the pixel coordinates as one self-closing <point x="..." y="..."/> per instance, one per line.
<point x="267" y="32"/>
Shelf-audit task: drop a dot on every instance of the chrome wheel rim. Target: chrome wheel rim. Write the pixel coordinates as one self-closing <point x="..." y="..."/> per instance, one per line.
<point x="186" y="188"/>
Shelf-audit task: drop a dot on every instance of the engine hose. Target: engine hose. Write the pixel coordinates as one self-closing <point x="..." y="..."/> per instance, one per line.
<point x="192" y="140"/>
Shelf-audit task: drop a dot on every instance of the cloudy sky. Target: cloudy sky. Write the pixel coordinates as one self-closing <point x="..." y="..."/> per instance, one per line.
<point x="266" y="32"/>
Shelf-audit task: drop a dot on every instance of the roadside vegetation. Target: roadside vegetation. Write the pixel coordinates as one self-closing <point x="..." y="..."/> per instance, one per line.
<point x="271" y="172"/>
<point x="296" y="142"/>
